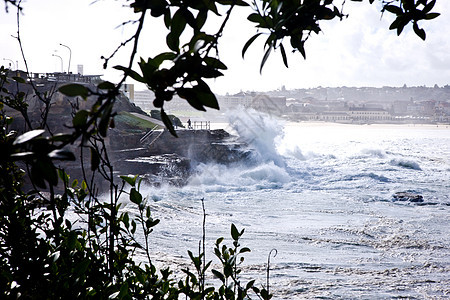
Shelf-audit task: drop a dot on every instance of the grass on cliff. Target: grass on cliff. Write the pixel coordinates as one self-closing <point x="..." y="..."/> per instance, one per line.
<point x="131" y="121"/>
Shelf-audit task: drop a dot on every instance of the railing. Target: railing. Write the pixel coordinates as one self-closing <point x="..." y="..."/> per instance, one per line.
<point x="147" y="135"/>
<point x="202" y="125"/>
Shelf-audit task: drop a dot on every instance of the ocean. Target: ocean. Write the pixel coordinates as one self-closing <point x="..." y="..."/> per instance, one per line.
<point x="323" y="196"/>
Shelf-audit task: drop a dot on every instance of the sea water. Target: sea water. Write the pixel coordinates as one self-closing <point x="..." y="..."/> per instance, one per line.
<point x="322" y="196"/>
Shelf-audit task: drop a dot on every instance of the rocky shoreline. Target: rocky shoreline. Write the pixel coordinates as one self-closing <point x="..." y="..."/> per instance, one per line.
<point x="165" y="158"/>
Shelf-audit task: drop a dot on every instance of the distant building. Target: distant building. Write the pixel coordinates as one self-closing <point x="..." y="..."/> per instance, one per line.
<point x="368" y="114"/>
<point x="267" y="104"/>
<point x="144" y="99"/>
<point x="128" y="90"/>
<point x="233" y="101"/>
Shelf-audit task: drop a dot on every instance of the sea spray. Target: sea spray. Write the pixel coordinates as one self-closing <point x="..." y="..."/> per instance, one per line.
<point x="334" y="220"/>
<point x="261" y="131"/>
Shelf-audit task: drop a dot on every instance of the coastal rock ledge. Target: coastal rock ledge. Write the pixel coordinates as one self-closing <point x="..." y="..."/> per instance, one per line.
<point x="163" y="157"/>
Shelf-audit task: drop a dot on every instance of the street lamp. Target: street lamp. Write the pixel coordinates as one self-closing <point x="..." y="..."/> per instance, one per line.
<point x="11" y="61"/>
<point x="70" y="56"/>
<point x="61" y="61"/>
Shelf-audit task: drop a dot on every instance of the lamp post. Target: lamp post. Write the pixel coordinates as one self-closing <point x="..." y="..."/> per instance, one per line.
<point x="11" y="61"/>
<point x="70" y="56"/>
<point x="61" y="61"/>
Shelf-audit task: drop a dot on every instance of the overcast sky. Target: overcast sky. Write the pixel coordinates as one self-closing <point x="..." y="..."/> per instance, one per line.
<point x="359" y="51"/>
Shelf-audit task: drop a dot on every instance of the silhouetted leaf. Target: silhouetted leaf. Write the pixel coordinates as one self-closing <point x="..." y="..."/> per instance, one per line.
<point x="105" y="119"/>
<point x="74" y="89"/>
<point x="393" y="9"/>
<point x="61" y="137"/>
<point x="249" y="42"/>
<point x="419" y="31"/>
<point x="218" y="275"/>
<point x="429" y="6"/>
<point x="191" y="97"/>
<point x="234" y="232"/>
<point x="106" y="85"/>
<point x="205" y="95"/>
<point x="95" y="159"/>
<point x="265" y="57"/>
<point x="245" y="249"/>
<point x="130" y="73"/>
<point x="431" y="16"/>
<point x="168" y="123"/>
<point x="214" y="62"/>
<point x="81" y="267"/>
<point x="80" y="118"/>
<point x="283" y="55"/>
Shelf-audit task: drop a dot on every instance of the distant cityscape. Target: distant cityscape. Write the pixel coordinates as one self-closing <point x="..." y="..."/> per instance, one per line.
<point x="357" y="105"/>
<point x="427" y="105"/>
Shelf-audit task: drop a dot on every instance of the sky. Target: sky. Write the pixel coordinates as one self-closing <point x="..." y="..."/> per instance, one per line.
<point x="359" y="51"/>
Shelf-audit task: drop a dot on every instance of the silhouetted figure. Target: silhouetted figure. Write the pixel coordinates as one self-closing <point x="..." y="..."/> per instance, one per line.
<point x="189" y="124"/>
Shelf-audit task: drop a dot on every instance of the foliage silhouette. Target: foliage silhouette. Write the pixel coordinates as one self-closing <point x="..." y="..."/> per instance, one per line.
<point x="43" y="254"/>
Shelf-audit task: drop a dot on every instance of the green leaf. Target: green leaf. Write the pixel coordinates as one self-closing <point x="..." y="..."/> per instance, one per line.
<point x="28" y="136"/>
<point x="168" y="123"/>
<point x="19" y="79"/>
<point x="151" y="223"/>
<point x="234" y="232"/>
<point x="135" y="196"/>
<point x="80" y="118"/>
<point x="431" y="16"/>
<point x="74" y="89"/>
<point x="131" y="180"/>
<point x="106" y="85"/>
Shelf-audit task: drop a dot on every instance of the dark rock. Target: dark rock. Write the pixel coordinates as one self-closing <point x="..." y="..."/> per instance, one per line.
<point x="200" y="146"/>
<point x="407" y="196"/>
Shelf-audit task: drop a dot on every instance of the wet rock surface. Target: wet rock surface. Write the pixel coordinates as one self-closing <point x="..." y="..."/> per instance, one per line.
<point x="164" y="157"/>
<point x="408" y="196"/>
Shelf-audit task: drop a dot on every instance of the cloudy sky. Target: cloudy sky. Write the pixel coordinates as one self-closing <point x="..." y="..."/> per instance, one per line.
<point x="359" y="51"/>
